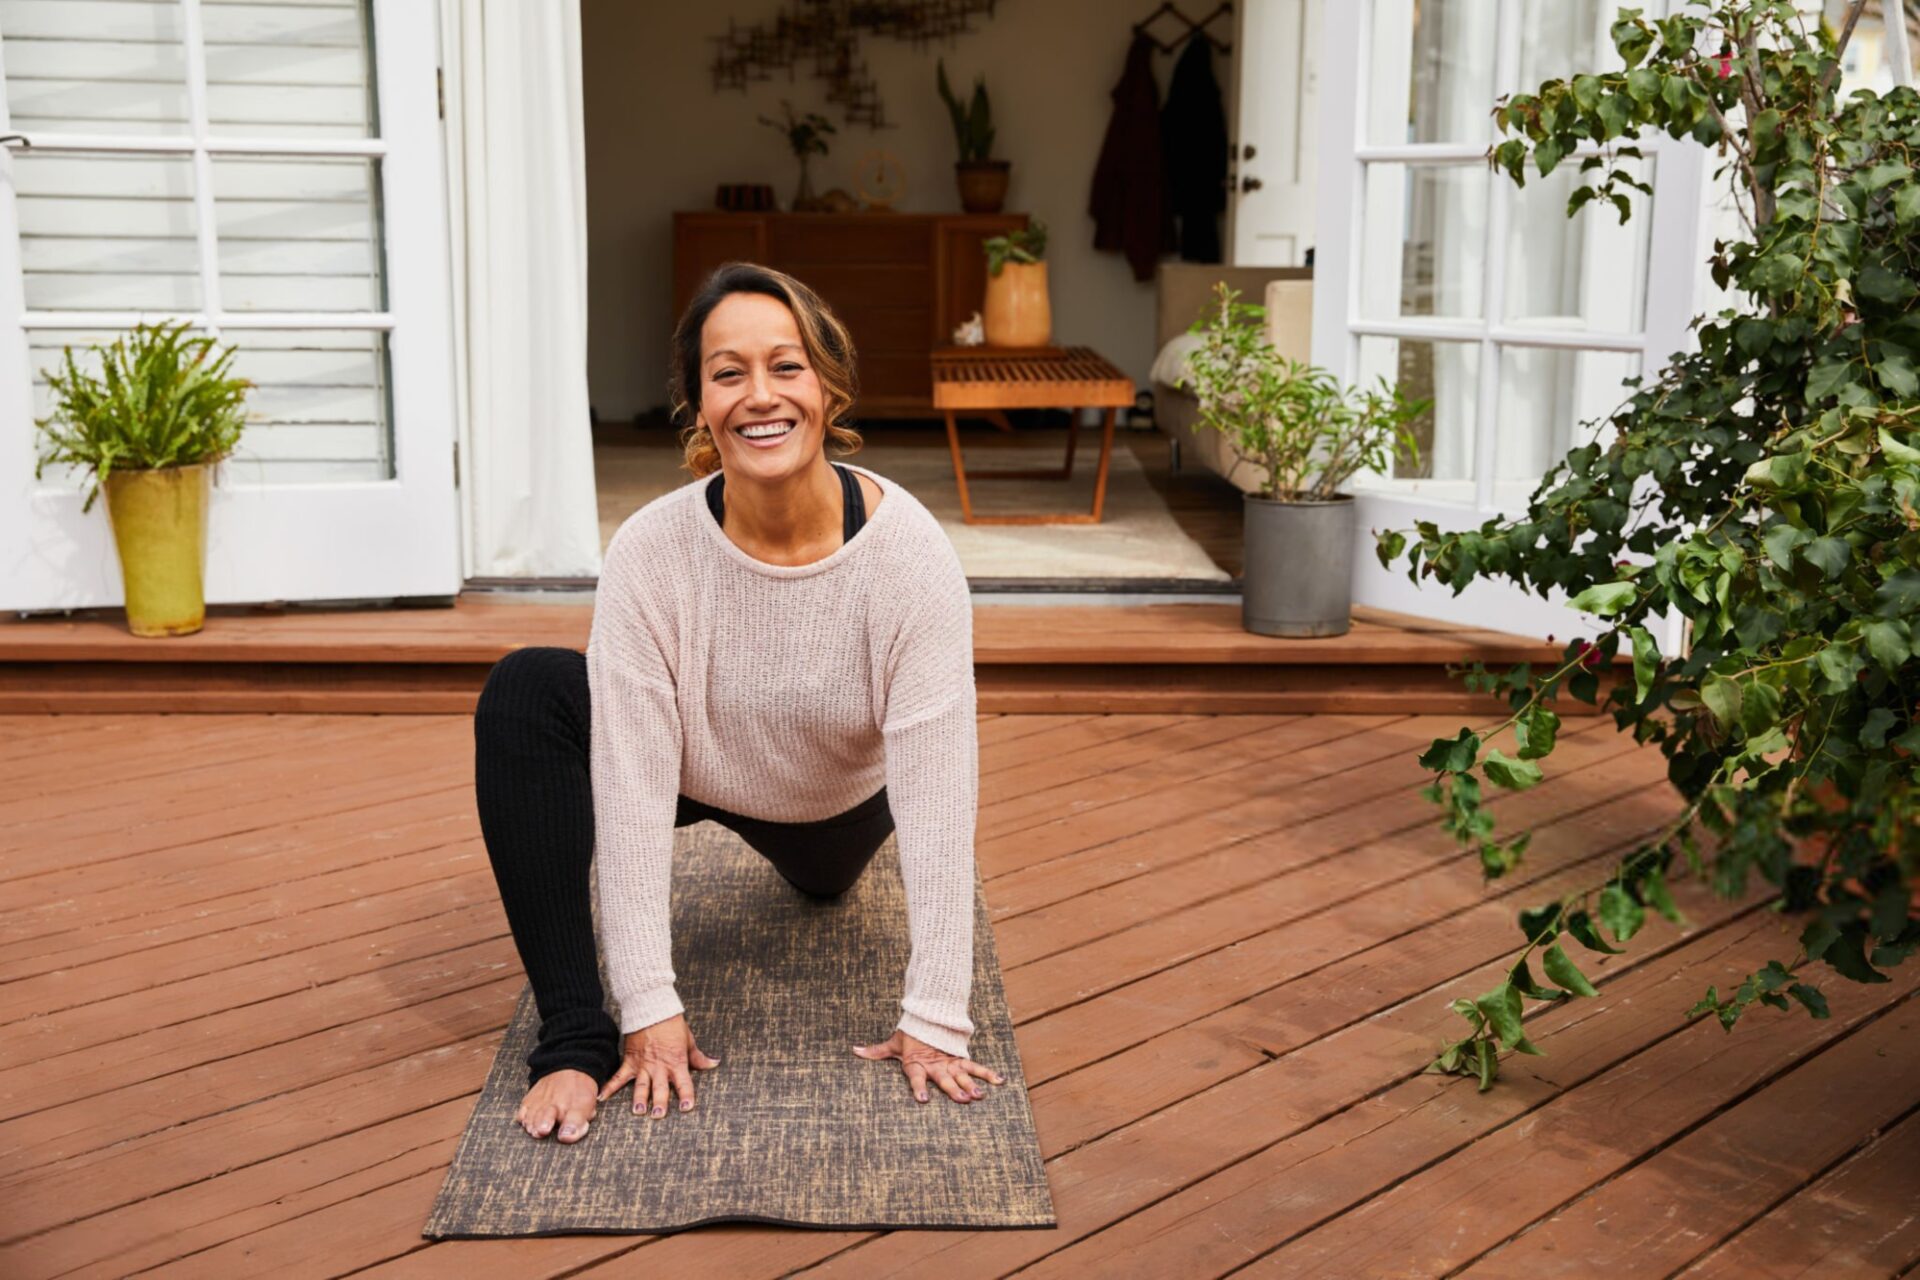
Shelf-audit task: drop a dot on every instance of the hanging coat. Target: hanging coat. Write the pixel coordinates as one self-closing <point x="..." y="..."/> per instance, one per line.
<point x="1128" y="202"/>
<point x="1193" y="136"/>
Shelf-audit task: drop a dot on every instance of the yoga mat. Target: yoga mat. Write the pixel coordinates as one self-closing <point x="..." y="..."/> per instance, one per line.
<point x="791" y="1128"/>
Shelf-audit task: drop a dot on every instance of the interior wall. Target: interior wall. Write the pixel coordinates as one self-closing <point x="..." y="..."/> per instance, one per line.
<point x="661" y="138"/>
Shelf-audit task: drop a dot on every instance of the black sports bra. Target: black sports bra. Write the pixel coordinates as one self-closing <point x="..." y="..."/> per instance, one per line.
<point x="853" y="506"/>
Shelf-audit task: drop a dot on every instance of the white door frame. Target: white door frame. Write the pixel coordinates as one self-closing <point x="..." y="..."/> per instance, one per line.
<point x="1383" y="502"/>
<point x="268" y="542"/>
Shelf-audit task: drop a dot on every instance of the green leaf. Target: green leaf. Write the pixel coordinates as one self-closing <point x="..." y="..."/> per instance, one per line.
<point x="1722" y="697"/>
<point x="1896" y="374"/>
<point x="1810" y="997"/>
<point x="1484" y="1060"/>
<point x="1646" y="662"/>
<point x="1620" y="913"/>
<point x="1653" y="887"/>
<point x="1536" y="922"/>
<point x="1782" y="541"/>
<point x="1848" y="954"/>
<point x="1452" y="755"/>
<point x="1606" y="598"/>
<point x="1388" y="547"/>
<point x="1829" y="555"/>
<point x="1561" y="969"/>
<point x="1514" y="775"/>
<point x="1882" y="285"/>
<point x="1897" y="451"/>
<point x="1502" y="1009"/>
<point x="1580" y="925"/>
<point x="1887" y="642"/>
<point x="1535" y="729"/>
<point x="1899" y="595"/>
<point x="1525" y="983"/>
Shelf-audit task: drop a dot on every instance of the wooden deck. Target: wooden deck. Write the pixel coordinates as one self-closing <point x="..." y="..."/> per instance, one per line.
<point x="253" y="971"/>
<point x="1181" y="658"/>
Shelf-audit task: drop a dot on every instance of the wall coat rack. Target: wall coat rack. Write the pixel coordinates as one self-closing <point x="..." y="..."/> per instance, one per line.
<point x="1173" y="14"/>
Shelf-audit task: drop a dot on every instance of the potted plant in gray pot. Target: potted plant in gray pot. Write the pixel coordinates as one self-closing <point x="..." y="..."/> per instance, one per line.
<point x="1311" y="435"/>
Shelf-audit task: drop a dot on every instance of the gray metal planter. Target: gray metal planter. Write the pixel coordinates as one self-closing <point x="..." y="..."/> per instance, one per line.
<point x="1298" y="567"/>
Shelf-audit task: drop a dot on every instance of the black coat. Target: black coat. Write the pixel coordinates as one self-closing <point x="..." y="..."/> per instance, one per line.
<point x="1193" y="137"/>
<point x="1128" y="202"/>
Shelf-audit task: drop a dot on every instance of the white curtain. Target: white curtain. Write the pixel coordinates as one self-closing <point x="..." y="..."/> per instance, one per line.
<point x="517" y="187"/>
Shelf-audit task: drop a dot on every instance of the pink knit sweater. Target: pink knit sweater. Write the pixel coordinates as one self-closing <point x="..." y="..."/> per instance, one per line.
<point x="788" y="693"/>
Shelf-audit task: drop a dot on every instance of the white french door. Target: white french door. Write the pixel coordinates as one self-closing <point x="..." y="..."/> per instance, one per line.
<point x="1439" y="274"/>
<point x="272" y="174"/>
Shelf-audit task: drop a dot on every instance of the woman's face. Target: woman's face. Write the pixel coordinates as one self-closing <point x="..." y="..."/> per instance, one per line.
<point x="759" y="395"/>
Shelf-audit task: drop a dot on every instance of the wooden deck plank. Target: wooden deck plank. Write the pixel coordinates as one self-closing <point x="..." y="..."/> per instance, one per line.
<point x="1664" y="1213"/>
<point x="1223" y="957"/>
<point x="1350" y="1147"/>
<point x="56" y="780"/>
<point x="1599" y="1127"/>
<point x="1857" y="1219"/>
<point x="1346" y="809"/>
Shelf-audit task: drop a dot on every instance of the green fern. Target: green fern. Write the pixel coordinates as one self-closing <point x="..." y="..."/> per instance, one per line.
<point x="161" y="399"/>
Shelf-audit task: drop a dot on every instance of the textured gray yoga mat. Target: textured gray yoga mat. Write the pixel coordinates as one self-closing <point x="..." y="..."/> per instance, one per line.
<point x="791" y="1128"/>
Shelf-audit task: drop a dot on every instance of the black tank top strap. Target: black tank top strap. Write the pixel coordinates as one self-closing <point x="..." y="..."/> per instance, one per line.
<point x="854" y="505"/>
<point x="853" y="502"/>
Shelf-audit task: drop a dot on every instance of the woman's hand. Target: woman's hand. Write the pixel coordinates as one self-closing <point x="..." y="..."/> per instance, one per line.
<point x="655" y="1058"/>
<point x="919" y="1060"/>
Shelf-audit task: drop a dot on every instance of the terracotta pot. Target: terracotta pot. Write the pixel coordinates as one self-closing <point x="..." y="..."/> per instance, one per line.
<point x="983" y="184"/>
<point x="159" y="519"/>
<point x="1017" y="312"/>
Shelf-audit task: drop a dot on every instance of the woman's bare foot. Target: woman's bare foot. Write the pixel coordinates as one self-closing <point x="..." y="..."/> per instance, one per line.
<point x="564" y="1099"/>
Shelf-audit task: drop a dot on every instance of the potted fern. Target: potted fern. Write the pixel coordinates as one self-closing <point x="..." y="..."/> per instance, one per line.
<point x="983" y="182"/>
<point x="1018" y="312"/>
<point x="1311" y="435"/>
<point x="161" y="412"/>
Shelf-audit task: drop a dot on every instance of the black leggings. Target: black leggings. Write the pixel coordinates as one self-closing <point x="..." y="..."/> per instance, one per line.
<point x="535" y="797"/>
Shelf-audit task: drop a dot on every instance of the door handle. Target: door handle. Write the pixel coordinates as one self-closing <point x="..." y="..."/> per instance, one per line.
<point x="1250" y="184"/>
<point x="8" y="139"/>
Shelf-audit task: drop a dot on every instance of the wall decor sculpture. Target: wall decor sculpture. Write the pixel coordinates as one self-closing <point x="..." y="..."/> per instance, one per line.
<point x="823" y="37"/>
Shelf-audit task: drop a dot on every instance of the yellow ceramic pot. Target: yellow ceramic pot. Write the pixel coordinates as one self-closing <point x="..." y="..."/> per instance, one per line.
<point x="159" y="518"/>
<point x="1017" y="313"/>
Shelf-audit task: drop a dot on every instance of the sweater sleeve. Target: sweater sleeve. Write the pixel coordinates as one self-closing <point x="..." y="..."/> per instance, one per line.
<point x="933" y="790"/>
<point x="635" y="767"/>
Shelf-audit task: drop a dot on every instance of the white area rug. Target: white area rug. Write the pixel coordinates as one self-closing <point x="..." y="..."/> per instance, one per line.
<point x="1137" y="536"/>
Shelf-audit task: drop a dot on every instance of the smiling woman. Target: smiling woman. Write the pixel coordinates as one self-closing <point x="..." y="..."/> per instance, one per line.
<point x="791" y="669"/>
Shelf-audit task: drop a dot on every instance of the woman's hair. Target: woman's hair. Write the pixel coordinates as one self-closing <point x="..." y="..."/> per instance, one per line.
<point x="828" y="345"/>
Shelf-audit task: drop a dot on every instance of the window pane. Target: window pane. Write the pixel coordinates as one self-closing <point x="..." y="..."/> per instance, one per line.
<point x="298" y="233"/>
<point x="318" y="410"/>
<point x="1562" y="38"/>
<point x="107" y="232"/>
<point x="94" y="66"/>
<point x="319" y="407"/>
<point x="1424" y="240"/>
<point x="1547" y="396"/>
<point x="1446" y="373"/>
<point x="289" y="70"/>
<point x="1585" y="272"/>
<point x="1430" y="71"/>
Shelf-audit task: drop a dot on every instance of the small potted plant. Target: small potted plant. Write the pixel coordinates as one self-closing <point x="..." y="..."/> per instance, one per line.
<point x="1312" y="435"/>
<point x="149" y="428"/>
<point x="807" y="135"/>
<point x="1017" y="311"/>
<point x="983" y="182"/>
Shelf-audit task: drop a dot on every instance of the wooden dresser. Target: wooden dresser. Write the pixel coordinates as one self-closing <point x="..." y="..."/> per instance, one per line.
<point x="901" y="282"/>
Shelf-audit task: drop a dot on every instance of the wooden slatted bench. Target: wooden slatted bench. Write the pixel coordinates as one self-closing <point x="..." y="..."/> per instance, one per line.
<point x="990" y="380"/>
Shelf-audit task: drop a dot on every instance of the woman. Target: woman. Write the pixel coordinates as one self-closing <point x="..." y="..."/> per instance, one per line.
<point x="784" y="646"/>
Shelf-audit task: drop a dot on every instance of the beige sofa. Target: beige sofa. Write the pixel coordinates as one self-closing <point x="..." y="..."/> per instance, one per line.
<point x="1184" y="291"/>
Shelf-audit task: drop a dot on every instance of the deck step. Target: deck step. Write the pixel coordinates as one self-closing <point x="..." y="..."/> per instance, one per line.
<point x="1178" y="658"/>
